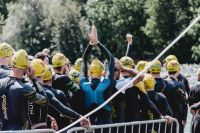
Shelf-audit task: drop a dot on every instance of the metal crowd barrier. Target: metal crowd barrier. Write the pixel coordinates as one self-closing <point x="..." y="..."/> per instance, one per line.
<point x="30" y="131"/>
<point x="150" y="126"/>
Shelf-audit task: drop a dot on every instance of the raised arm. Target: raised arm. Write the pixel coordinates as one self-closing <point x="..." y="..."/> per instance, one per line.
<point x="111" y="64"/>
<point x="84" y="64"/>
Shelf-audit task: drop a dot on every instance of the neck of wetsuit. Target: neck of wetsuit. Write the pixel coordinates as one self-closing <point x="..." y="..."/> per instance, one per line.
<point x="95" y="82"/>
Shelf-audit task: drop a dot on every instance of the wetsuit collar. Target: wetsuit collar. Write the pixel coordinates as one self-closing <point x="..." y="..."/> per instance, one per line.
<point x="47" y="86"/>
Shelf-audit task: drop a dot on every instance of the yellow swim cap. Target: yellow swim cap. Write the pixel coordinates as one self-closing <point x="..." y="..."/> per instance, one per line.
<point x="96" y="68"/>
<point x="5" y="50"/>
<point x="39" y="67"/>
<point x="20" y="59"/>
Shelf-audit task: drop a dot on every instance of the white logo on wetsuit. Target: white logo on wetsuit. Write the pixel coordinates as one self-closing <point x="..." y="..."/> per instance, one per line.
<point x="31" y="109"/>
<point x="4" y="107"/>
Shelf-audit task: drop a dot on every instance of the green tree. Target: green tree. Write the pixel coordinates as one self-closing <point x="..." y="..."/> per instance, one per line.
<point x="36" y="24"/>
<point x="166" y="19"/>
<point x="114" y="19"/>
<point x="195" y="32"/>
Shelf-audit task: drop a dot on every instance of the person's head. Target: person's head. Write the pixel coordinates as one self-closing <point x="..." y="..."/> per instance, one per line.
<point x="47" y="78"/>
<point x="60" y="63"/>
<point x="169" y="58"/>
<point x="74" y="75"/>
<point x="39" y="68"/>
<point x="127" y="62"/>
<point x="141" y="65"/>
<point x="149" y="82"/>
<point x="77" y="64"/>
<point x="43" y="56"/>
<point x="6" y="52"/>
<point x="96" y="68"/>
<point x="173" y="68"/>
<point x="156" y="68"/>
<point x="19" y="63"/>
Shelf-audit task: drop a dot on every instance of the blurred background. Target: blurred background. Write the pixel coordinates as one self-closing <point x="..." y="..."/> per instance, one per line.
<point x="37" y="24"/>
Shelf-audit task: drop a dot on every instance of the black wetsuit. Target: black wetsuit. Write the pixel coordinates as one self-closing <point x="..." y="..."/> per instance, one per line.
<point x="14" y="96"/>
<point x="184" y="80"/>
<point x="37" y="114"/>
<point x="118" y="106"/>
<point x="176" y="97"/>
<point x="61" y="120"/>
<point x="161" y="102"/>
<point x="5" y="71"/>
<point x="101" y="88"/>
<point x="194" y="99"/>
<point x="65" y="84"/>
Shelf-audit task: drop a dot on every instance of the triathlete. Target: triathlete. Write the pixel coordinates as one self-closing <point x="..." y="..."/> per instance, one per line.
<point x="98" y="89"/>
<point x="15" y="94"/>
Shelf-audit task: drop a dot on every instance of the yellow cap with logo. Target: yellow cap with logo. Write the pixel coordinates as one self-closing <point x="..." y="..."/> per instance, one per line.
<point x="59" y="60"/>
<point x="173" y="66"/>
<point x="47" y="73"/>
<point x="141" y="65"/>
<point x="20" y="59"/>
<point x="77" y="64"/>
<point x="170" y="57"/>
<point x="5" y="50"/>
<point x="156" y="67"/>
<point x="149" y="82"/>
<point x="127" y="62"/>
<point x="39" y="67"/>
<point x="96" y="68"/>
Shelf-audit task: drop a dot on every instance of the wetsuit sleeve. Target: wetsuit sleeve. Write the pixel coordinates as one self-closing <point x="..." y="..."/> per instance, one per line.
<point x="168" y="110"/>
<point x="181" y="95"/>
<point x="70" y="85"/>
<point x="192" y="95"/>
<point x="62" y="97"/>
<point x="84" y="64"/>
<point x="33" y="96"/>
<point x="196" y="106"/>
<point x="187" y="87"/>
<point x="149" y="104"/>
<point x="111" y="64"/>
<point x="65" y="111"/>
<point x="38" y="87"/>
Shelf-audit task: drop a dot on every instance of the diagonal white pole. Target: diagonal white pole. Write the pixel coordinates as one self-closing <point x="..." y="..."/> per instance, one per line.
<point x="137" y="76"/>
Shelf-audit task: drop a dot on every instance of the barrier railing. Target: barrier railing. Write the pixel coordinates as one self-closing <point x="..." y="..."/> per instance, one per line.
<point x="150" y="126"/>
<point x="31" y="131"/>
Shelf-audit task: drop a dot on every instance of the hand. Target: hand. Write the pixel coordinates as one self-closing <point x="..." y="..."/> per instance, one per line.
<point x="129" y="38"/>
<point x="30" y="72"/>
<point x="46" y="51"/>
<point x="118" y="65"/>
<point x="184" y="123"/>
<point x="169" y="119"/>
<point x="85" y="123"/>
<point x="54" y="124"/>
<point x="193" y="112"/>
<point x="93" y="36"/>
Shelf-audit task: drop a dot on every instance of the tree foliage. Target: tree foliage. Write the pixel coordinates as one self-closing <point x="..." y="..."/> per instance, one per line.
<point x="37" y="24"/>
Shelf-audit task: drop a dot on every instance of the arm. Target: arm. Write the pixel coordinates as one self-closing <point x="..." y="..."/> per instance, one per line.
<point x="196" y="106"/>
<point x="30" y="94"/>
<point x="84" y="65"/>
<point x="168" y="110"/>
<point x="150" y="105"/>
<point x="65" y="111"/>
<point x="181" y="94"/>
<point x="111" y="64"/>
